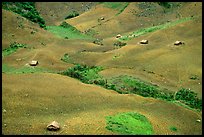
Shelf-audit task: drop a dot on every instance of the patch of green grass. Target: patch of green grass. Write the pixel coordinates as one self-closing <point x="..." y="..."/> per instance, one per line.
<point x="129" y="123"/>
<point x="65" y="30"/>
<point x="120" y="6"/>
<point x="173" y="128"/>
<point x="144" y="31"/>
<point x="25" y="69"/>
<point x="12" y="48"/>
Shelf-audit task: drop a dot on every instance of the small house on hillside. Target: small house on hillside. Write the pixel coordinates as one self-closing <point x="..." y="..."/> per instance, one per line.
<point x="33" y="63"/>
<point x="178" y="43"/>
<point x="144" y="41"/>
<point x="118" y="36"/>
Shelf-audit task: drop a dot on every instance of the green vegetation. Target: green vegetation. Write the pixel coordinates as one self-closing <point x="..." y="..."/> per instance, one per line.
<point x="130" y="85"/>
<point x="189" y="98"/>
<point x="98" y="41"/>
<point x="129" y="123"/>
<point x="91" y="32"/>
<point x="72" y="15"/>
<point x="12" y="48"/>
<point x="172" y="128"/>
<point x="120" y="6"/>
<point x="24" y="69"/>
<point x="25" y="9"/>
<point x="126" y="85"/>
<point x="65" y="58"/>
<point x="84" y="73"/>
<point x="66" y="30"/>
<point x="152" y="29"/>
<point x="165" y="4"/>
<point x="119" y="44"/>
<point x="194" y="77"/>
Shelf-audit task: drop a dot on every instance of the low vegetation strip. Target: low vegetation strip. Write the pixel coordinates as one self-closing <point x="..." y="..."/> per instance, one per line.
<point x="25" y="69"/>
<point x="67" y="31"/>
<point x="129" y="85"/>
<point x="12" y="48"/>
<point x="152" y="29"/>
<point x="84" y="73"/>
<point x="129" y="123"/>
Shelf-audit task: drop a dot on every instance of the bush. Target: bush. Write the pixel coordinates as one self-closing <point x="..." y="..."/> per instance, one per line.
<point x="72" y="15"/>
<point x="67" y="25"/>
<point x="119" y="44"/>
<point x="65" y="58"/>
<point x="189" y="98"/>
<point x="98" y="41"/>
<point x="173" y="128"/>
<point x="165" y="4"/>
<point x="84" y="73"/>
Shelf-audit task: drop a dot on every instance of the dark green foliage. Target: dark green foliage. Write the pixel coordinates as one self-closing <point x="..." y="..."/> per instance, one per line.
<point x="189" y="97"/>
<point x="67" y="25"/>
<point x="72" y="15"/>
<point x="127" y="85"/>
<point x="173" y="128"/>
<point x="165" y="4"/>
<point x="119" y="44"/>
<point x="98" y="41"/>
<point x="25" y="9"/>
<point x="194" y="77"/>
<point x="85" y="73"/>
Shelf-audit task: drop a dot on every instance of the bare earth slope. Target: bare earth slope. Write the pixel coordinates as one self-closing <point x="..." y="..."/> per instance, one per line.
<point x="33" y="101"/>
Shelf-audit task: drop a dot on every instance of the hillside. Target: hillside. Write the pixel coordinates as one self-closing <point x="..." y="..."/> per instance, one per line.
<point x="85" y="74"/>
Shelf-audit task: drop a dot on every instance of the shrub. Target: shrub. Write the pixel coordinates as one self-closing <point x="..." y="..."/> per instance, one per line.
<point x="84" y="73"/>
<point x="119" y="44"/>
<point x="189" y="98"/>
<point x="173" y="128"/>
<point x="98" y="41"/>
<point x="72" y="15"/>
<point x="165" y="4"/>
<point x="194" y="77"/>
<point x="65" y="58"/>
<point x="67" y="25"/>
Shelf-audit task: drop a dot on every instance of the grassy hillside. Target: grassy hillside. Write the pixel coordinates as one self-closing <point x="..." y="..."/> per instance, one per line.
<point x="67" y="31"/>
<point x="93" y="83"/>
